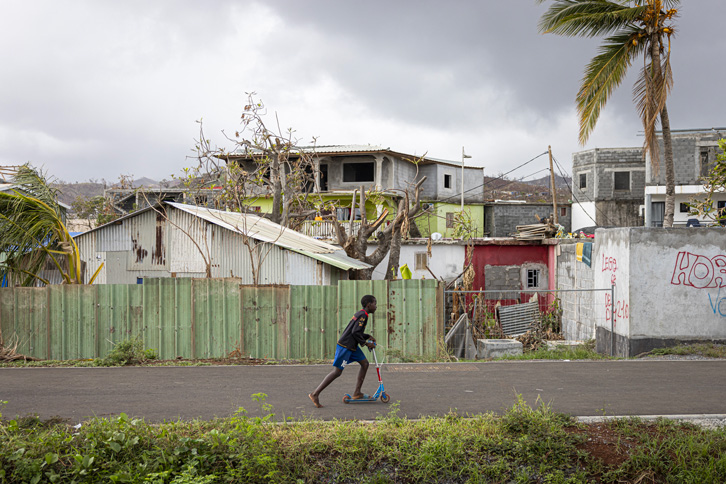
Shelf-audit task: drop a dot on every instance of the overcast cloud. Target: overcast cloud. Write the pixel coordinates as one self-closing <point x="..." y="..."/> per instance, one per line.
<point x="97" y="89"/>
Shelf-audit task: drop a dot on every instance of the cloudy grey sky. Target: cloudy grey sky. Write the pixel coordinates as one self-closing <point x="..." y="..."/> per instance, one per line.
<point x="98" y="89"/>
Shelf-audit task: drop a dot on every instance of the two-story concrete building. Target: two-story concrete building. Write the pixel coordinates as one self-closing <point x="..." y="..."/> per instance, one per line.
<point x="618" y="187"/>
<point x="694" y="155"/>
<point x="607" y="187"/>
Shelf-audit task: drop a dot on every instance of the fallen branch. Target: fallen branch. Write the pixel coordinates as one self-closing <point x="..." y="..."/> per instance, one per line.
<point x="10" y="352"/>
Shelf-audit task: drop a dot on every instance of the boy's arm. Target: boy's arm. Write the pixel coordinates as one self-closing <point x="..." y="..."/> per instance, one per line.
<point x="361" y="337"/>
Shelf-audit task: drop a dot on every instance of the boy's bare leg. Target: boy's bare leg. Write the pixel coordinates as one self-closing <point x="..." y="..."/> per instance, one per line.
<point x="326" y="381"/>
<point x="361" y="376"/>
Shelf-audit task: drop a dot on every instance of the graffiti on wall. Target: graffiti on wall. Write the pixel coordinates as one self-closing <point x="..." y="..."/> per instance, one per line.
<point x="621" y="308"/>
<point x="702" y="272"/>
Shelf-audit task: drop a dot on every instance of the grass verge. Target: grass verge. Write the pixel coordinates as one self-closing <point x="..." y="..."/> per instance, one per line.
<point x="525" y="445"/>
<point x="709" y="350"/>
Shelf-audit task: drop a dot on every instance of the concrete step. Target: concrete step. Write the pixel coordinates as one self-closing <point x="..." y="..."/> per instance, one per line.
<point x="496" y="348"/>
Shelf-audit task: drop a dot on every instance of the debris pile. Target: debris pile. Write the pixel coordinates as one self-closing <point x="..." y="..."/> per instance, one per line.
<point x="10" y="352"/>
<point x="536" y="231"/>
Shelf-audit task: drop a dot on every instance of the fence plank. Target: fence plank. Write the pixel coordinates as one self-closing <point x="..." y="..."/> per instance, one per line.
<point x="205" y="318"/>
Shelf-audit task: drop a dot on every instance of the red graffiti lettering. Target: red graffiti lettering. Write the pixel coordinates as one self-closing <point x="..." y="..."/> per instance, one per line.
<point x="609" y="263"/>
<point x="699" y="271"/>
<point x="621" y="309"/>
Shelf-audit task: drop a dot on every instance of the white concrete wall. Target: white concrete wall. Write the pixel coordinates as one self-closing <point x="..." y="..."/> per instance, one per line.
<point x="446" y="261"/>
<point x="670" y="286"/>
<point x="583" y="215"/>
<point x="611" y="262"/>
<point x="680" y="283"/>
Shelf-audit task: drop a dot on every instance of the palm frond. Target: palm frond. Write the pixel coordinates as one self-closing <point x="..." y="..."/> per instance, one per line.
<point x="588" y="18"/>
<point x="32" y="231"/>
<point x="603" y="74"/>
<point x="37" y="184"/>
<point x="650" y="93"/>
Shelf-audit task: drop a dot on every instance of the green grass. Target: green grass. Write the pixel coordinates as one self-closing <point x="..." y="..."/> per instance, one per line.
<point x="133" y="354"/>
<point x="526" y="444"/>
<point x="710" y="350"/>
<point x="583" y="352"/>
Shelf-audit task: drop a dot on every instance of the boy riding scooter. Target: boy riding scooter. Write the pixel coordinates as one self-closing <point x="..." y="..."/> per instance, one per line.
<point x="348" y="350"/>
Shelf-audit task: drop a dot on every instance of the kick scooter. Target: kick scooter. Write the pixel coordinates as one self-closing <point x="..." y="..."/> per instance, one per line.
<point x="381" y="392"/>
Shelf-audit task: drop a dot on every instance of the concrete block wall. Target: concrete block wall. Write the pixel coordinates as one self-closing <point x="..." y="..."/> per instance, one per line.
<point x="502" y="278"/>
<point x="686" y="156"/>
<point x="578" y="308"/>
<point x="584" y="163"/>
<point x="501" y="219"/>
<point x="619" y="213"/>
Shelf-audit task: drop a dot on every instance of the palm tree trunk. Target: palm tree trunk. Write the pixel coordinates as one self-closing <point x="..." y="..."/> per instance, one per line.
<point x="670" y="175"/>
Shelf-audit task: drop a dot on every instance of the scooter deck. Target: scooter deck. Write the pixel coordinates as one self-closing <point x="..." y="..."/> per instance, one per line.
<point x="383" y="396"/>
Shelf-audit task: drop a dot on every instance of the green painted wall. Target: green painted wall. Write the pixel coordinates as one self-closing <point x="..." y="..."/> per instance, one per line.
<point x="434" y="220"/>
<point x="207" y="318"/>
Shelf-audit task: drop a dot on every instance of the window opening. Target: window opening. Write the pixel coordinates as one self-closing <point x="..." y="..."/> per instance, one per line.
<point x="344" y="214"/>
<point x="421" y="261"/>
<point x="359" y="172"/>
<point x="583" y="180"/>
<point x="621" y="180"/>
<point x="449" y="220"/>
<point x="532" y="278"/>
<point x="684" y="208"/>
<point x="563" y="211"/>
<point x="323" y="178"/>
<point x="705" y="161"/>
<point x="447" y="181"/>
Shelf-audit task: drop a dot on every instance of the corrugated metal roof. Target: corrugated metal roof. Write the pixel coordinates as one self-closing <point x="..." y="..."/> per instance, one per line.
<point x="353" y="149"/>
<point x="264" y="230"/>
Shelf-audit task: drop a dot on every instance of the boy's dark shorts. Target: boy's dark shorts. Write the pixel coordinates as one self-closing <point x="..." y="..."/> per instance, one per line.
<point x="344" y="356"/>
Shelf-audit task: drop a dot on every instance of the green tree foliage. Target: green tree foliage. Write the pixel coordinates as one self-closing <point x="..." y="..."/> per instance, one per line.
<point x="634" y="28"/>
<point x="95" y="210"/>
<point x="33" y="233"/>
<point x="713" y="184"/>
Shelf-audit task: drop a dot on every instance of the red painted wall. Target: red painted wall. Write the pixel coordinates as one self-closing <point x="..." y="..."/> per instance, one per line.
<point x="511" y="255"/>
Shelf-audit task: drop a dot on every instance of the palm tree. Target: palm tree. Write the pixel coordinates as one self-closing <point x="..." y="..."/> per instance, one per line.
<point x="634" y="27"/>
<point x="33" y="232"/>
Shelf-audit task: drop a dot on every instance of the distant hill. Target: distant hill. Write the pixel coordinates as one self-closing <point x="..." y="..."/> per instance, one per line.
<point x="560" y="182"/>
<point x="70" y="191"/>
<point x="504" y="189"/>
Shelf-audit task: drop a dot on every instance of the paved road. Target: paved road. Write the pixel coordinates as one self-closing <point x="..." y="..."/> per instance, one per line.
<point x="584" y="388"/>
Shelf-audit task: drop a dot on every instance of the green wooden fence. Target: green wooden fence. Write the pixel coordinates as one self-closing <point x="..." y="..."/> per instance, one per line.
<point x="208" y="318"/>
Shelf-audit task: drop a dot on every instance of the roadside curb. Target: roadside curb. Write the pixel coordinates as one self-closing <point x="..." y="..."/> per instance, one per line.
<point x="704" y="420"/>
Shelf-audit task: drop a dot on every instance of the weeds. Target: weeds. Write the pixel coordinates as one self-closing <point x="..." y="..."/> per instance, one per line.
<point x="524" y="445"/>
<point x="708" y="350"/>
<point x="582" y="352"/>
<point x="127" y="352"/>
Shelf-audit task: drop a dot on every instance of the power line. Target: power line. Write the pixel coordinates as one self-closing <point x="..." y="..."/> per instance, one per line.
<point x="605" y="217"/>
<point x="494" y="179"/>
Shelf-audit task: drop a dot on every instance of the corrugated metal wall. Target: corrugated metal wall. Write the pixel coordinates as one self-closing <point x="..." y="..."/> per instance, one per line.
<point x="207" y="318"/>
<point x="129" y="252"/>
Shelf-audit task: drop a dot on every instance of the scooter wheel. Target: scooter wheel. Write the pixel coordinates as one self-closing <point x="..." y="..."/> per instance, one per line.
<point x="385" y="398"/>
<point x="346" y="399"/>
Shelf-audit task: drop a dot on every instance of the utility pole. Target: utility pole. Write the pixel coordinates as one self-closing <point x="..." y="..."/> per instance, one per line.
<point x="552" y="183"/>
<point x="463" y="155"/>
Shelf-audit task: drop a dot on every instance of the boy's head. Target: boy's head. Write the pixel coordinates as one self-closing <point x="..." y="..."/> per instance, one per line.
<point x="369" y="303"/>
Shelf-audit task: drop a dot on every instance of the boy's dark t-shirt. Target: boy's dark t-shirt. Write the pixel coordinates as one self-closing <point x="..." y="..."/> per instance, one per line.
<point x="354" y="334"/>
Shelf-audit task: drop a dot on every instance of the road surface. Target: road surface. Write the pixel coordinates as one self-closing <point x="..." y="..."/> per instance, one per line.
<point x="579" y="388"/>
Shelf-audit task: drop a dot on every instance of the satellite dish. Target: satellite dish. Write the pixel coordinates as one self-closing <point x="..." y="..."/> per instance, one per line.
<point x="436" y="236"/>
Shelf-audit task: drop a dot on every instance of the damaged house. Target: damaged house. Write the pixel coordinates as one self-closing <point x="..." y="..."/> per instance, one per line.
<point x="178" y="240"/>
